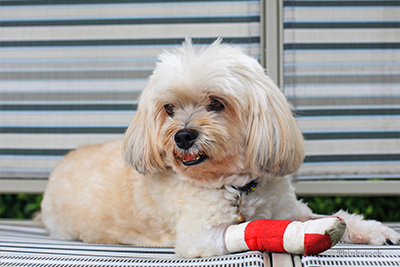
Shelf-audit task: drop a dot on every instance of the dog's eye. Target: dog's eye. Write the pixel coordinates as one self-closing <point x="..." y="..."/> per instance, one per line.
<point x="169" y="109"/>
<point x="215" y="105"/>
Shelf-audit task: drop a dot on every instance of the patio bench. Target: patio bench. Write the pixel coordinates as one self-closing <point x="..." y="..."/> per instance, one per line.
<point x="71" y="73"/>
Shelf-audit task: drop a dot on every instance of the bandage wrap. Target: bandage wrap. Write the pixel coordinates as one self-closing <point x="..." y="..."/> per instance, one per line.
<point x="309" y="238"/>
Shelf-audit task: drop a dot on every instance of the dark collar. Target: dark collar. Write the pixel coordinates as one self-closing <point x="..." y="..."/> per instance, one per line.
<point x="248" y="188"/>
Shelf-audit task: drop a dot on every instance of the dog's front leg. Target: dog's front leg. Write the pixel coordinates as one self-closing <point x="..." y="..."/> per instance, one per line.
<point x="360" y="231"/>
<point x="309" y="237"/>
<point x="367" y="231"/>
<point x="206" y="242"/>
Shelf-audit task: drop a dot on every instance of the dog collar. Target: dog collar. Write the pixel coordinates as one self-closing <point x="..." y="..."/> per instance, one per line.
<point x="244" y="190"/>
<point x="248" y="188"/>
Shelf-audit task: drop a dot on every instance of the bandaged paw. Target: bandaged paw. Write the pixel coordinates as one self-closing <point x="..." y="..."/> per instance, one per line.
<point x="309" y="238"/>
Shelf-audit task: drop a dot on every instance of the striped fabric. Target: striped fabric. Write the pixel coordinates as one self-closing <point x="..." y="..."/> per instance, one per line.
<point x="26" y="244"/>
<point x="342" y="74"/>
<point x="360" y="258"/>
<point x="357" y="255"/>
<point x="71" y="71"/>
<point x="29" y="245"/>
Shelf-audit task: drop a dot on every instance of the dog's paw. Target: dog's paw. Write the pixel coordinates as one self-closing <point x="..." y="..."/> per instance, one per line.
<point x="371" y="232"/>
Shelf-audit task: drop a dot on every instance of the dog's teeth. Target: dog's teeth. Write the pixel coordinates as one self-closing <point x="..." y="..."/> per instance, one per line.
<point x="196" y="158"/>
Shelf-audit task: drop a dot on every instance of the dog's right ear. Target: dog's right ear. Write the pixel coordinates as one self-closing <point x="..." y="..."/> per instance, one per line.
<point x="274" y="141"/>
<point x="140" y="149"/>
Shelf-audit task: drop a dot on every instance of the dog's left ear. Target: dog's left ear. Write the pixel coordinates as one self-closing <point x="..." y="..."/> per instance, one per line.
<point x="140" y="149"/>
<point x="274" y="141"/>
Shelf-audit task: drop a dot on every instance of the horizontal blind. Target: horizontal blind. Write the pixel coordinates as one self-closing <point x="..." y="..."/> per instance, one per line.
<point x="71" y="71"/>
<point x="342" y="74"/>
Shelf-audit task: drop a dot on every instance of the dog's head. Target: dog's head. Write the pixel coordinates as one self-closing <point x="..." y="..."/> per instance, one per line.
<point x="210" y="114"/>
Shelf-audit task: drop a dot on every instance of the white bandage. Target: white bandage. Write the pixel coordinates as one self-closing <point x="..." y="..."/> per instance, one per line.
<point x="234" y="238"/>
<point x="293" y="239"/>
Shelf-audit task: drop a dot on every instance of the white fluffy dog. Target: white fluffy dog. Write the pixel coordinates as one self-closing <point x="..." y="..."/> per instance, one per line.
<point x="210" y="128"/>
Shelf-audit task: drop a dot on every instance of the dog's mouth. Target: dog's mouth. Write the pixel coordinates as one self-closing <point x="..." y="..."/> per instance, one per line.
<point x="190" y="160"/>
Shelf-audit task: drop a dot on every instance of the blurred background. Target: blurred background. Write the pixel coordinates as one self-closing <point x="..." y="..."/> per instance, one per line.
<point x="72" y="70"/>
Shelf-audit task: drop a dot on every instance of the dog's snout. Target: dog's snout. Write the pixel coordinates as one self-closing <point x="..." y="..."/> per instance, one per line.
<point x="185" y="138"/>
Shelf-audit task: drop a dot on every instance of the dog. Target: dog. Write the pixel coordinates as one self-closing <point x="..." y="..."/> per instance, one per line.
<point x="206" y="157"/>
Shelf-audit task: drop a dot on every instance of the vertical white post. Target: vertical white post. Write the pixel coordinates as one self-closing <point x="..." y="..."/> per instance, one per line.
<point x="272" y="39"/>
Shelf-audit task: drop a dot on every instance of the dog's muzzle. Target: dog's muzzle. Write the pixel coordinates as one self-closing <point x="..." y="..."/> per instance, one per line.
<point x="185" y="139"/>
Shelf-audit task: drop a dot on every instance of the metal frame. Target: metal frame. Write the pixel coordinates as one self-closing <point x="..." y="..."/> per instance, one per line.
<point x="347" y="188"/>
<point x="15" y="186"/>
<point x="302" y="188"/>
<point x="272" y="39"/>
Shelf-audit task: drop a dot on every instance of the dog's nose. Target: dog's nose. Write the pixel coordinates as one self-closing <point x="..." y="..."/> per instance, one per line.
<point x="185" y="138"/>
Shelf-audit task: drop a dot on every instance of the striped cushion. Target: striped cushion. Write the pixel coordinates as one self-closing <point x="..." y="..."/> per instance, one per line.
<point x="27" y="244"/>
<point x="366" y="258"/>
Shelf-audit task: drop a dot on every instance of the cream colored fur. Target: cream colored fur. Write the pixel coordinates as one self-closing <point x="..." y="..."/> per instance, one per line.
<point x="144" y="195"/>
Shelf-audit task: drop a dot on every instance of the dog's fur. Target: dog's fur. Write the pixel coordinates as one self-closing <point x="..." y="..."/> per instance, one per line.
<point x="246" y="131"/>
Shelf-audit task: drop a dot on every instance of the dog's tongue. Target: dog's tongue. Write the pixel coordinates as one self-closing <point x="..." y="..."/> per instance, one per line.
<point x="188" y="157"/>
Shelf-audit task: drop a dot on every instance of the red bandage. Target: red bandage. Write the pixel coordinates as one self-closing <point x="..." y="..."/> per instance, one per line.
<point x="266" y="235"/>
<point x="316" y="243"/>
<point x="310" y="237"/>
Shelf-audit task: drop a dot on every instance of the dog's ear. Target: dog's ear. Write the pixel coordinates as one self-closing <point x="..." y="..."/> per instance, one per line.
<point x="140" y="149"/>
<point x="273" y="140"/>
